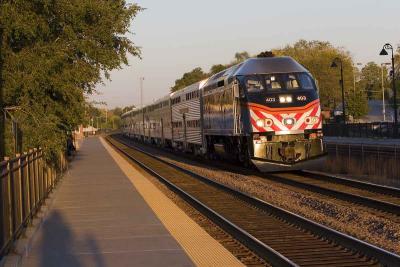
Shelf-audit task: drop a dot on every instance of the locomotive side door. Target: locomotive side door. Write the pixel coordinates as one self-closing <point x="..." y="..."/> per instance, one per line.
<point x="237" y="124"/>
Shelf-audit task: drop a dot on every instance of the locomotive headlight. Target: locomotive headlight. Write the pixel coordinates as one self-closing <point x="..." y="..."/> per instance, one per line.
<point x="260" y="123"/>
<point x="311" y="120"/>
<point x="288" y="121"/>
<point x="285" y="99"/>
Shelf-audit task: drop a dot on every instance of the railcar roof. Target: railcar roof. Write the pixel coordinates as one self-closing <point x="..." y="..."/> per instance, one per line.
<point x="192" y="87"/>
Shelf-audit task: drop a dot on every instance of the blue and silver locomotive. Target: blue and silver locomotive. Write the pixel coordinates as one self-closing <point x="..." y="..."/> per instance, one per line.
<point x="264" y="111"/>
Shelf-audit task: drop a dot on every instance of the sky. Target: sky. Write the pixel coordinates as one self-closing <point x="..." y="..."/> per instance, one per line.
<point x="177" y="36"/>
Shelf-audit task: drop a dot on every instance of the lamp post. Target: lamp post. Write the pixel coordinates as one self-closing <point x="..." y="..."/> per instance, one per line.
<point x="385" y="53"/>
<point x="335" y="65"/>
<point x="354" y="76"/>
<point x="141" y="101"/>
<point x="383" y="92"/>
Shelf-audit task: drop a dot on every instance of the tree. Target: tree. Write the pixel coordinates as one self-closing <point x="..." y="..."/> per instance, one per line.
<point x="197" y="74"/>
<point x="371" y="80"/>
<point x="241" y="56"/>
<point x="189" y="78"/>
<point x="357" y="104"/>
<point x="317" y="57"/>
<point x="128" y="108"/>
<point x="217" y="68"/>
<point x="55" y="52"/>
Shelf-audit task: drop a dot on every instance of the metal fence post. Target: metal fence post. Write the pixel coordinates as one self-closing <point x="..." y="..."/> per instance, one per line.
<point x="24" y="192"/>
<point x="7" y="204"/>
<point x="40" y="176"/>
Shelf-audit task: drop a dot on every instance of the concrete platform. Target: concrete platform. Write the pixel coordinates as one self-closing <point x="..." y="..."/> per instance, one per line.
<point x="99" y="218"/>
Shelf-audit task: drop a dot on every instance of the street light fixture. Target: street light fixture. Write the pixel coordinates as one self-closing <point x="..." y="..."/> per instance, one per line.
<point x="385" y="53"/>
<point x="334" y="64"/>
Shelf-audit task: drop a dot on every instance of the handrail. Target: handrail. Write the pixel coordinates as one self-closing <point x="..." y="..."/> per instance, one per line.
<point x="25" y="182"/>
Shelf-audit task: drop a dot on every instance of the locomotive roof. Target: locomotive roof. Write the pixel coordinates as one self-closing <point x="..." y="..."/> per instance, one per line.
<point x="257" y="66"/>
<point x="269" y="65"/>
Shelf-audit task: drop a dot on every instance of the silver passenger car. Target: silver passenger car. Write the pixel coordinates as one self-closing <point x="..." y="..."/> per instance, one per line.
<point x="187" y="118"/>
<point x="158" y="122"/>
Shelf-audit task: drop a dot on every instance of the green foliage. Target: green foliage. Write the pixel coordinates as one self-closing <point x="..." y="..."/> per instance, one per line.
<point x="198" y="74"/>
<point x="128" y="108"/>
<point x="241" y="56"/>
<point x="55" y="52"/>
<point x="357" y="104"/>
<point x="217" y="68"/>
<point x="189" y="78"/>
<point x="371" y="80"/>
<point x="317" y="57"/>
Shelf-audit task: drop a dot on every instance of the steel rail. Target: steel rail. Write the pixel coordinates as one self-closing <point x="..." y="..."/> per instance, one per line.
<point x="382" y="189"/>
<point x="370" y="202"/>
<point x="384" y="257"/>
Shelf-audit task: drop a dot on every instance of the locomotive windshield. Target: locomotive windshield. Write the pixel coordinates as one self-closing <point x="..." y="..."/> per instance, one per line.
<point x="279" y="82"/>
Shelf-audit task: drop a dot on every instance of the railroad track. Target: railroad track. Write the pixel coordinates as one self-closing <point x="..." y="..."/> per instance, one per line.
<point x="382" y="198"/>
<point x="278" y="236"/>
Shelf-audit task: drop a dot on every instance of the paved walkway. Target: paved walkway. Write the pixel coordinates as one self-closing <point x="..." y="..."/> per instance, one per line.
<point x="99" y="219"/>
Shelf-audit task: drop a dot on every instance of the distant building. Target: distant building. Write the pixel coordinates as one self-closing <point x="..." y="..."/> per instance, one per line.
<point x="90" y="130"/>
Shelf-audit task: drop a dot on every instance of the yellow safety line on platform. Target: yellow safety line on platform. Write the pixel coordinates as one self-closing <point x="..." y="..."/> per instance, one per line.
<point x="198" y="244"/>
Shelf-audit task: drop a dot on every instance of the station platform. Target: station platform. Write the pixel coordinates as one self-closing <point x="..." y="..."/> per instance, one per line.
<point x="106" y="213"/>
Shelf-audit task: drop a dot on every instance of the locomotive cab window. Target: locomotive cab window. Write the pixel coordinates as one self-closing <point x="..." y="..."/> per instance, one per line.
<point x="291" y="82"/>
<point x="306" y="81"/>
<point x="288" y="81"/>
<point x="254" y="84"/>
<point x="272" y="82"/>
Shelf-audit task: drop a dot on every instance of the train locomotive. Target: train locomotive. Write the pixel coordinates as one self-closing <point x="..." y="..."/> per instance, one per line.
<point x="263" y="112"/>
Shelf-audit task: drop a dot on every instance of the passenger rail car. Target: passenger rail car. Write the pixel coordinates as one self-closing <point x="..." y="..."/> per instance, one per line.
<point x="186" y="118"/>
<point x="264" y="111"/>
